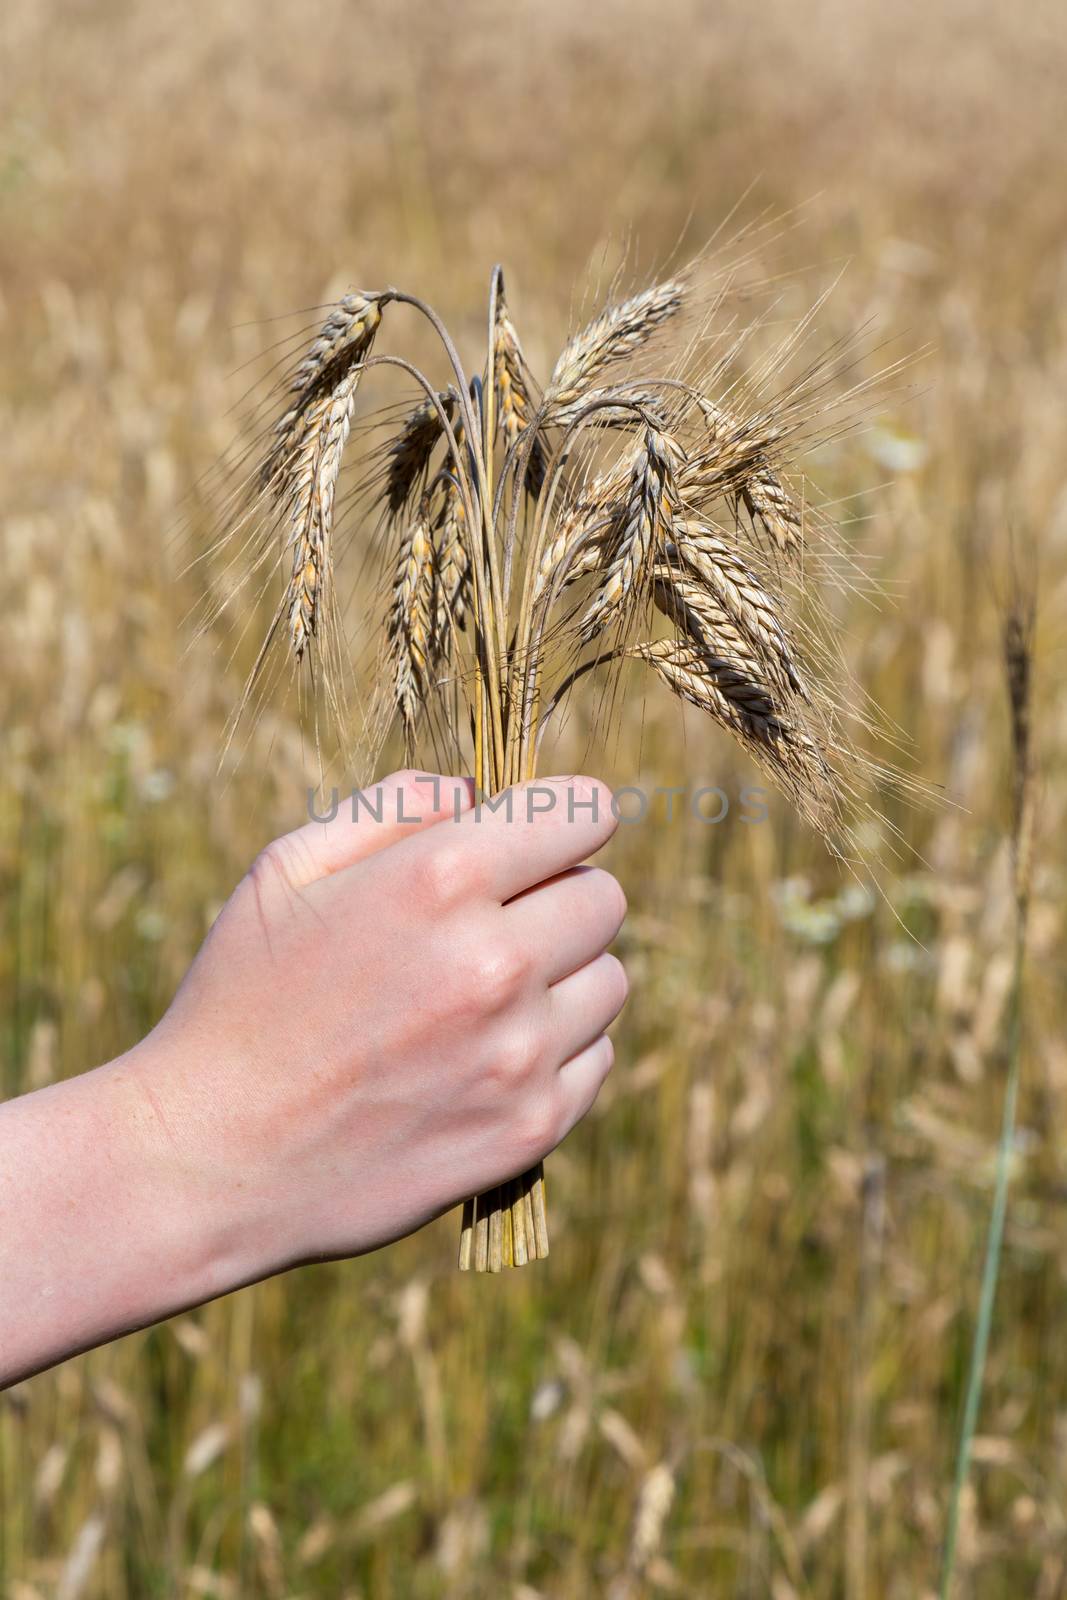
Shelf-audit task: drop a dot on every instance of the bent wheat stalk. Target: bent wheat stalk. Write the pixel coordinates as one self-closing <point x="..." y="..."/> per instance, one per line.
<point x="531" y="538"/>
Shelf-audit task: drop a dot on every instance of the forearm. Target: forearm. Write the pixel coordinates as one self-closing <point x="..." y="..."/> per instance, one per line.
<point x="101" y="1228"/>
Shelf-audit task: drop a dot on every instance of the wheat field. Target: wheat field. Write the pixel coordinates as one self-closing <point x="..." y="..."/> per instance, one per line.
<point x="741" y="1370"/>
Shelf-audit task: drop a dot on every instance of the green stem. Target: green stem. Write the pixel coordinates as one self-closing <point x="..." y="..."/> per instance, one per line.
<point x="990" y="1274"/>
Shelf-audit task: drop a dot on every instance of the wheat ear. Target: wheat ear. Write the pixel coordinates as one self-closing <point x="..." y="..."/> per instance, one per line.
<point x="773" y="510"/>
<point x="613" y="336"/>
<point x="746" y="600"/>
<point x="738" y="461"/>
<point x="651" y="507"/>
<point x="314" y="484"/>
<point x="303" y="464"/>
<point x="515" y="407"/>
<point x="791" y="757"/>
<point x="412" y="616"/>
<point x="410" y="452"/>
<point x="453" y="564"/>
<point x="344" y="340"/>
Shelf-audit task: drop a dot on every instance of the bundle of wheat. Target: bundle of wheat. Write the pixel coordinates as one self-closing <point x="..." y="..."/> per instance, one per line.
<point x="496" y="500"/>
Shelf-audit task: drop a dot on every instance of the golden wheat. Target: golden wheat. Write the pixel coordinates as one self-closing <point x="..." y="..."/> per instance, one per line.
<point x="609" y="485"/>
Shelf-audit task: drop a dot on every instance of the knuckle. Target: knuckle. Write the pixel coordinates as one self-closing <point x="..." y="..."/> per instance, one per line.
<point x="401" y="795"/>
<point x="415" y="788"/>
<point x="537" y="1131"/>
<point x="599" y="1058"/>
<point x="460" y="995"/>
<point x="446" y="876"/>
<point x="499" y="972"/>
<point x="514" y="1059"/>
<point x="601" y="1061"/>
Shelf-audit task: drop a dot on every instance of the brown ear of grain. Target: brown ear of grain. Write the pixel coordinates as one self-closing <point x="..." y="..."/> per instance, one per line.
<point x="412" y="617"/>
<point x="615" y="335"/>
<point x="648" y="523"/>
<point x="791" y="756"/>
<point x="514" y="400"/>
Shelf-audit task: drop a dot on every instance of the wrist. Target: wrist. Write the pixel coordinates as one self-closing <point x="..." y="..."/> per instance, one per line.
<point x="218" y="1229"/>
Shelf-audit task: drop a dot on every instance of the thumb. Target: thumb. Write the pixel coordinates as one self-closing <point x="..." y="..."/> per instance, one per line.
<point x="360" y="824"/>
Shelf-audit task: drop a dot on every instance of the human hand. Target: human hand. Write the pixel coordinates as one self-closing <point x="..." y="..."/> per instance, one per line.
<point x="387" y="1017"/>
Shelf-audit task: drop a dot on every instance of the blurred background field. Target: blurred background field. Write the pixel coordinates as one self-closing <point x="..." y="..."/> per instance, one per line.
<point x="741" y="1370"/>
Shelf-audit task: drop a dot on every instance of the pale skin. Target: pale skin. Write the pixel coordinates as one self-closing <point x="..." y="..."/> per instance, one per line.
<point x="385" y="1018"/>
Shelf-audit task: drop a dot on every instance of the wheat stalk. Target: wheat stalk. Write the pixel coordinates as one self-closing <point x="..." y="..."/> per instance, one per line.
<point x="609" y="484"/>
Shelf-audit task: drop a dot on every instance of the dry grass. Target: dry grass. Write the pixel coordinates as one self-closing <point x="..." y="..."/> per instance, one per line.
<point x="743" y="1368"/>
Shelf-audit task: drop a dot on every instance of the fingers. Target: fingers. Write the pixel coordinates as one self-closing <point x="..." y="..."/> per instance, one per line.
<point x="396" y="808"/>
<point x="506" y="844"/>
<point x="582" y="1079"/>
<point x="567" y="921"/>
<point x="584" y="1004"/>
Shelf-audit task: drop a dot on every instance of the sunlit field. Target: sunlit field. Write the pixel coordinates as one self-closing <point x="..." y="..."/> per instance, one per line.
<point x="741" y="1370"/>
